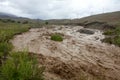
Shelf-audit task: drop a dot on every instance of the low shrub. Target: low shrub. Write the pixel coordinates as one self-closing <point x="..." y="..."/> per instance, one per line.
<point x="25" y="22"/>
<point x="46" y="23"/>
<point x="114" y="36"/>
<point x="116" y="41"/>
<point x="56" y="37"/>
<point x="109" y="32"/>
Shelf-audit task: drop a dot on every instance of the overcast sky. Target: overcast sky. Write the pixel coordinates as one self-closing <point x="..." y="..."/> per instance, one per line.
<point x="58" y="9"/>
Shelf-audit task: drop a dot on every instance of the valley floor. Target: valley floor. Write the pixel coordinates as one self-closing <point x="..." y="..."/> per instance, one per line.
<point x="79" y="56"/>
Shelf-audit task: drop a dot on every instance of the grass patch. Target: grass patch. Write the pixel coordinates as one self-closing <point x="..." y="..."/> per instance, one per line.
<point x="21" y="66"/>
<point x="16" y="65"/>
<point x="5" y="47"/>
<point x="7" y="31"/>
<point x="57" y="37"/>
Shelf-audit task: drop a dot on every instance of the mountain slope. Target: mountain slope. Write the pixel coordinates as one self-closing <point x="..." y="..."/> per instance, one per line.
<point x="7" y="15"/>
<point x="111" y="18"/>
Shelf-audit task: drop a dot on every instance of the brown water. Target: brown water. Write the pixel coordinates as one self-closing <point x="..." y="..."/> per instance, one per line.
<point x="84" y="51"/>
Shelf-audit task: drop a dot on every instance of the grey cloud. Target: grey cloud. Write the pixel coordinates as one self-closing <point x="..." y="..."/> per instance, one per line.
<point x="51" y="9"/>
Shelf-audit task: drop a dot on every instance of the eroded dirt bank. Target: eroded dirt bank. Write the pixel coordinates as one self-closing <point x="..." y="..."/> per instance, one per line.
<point x="79" y="56"/>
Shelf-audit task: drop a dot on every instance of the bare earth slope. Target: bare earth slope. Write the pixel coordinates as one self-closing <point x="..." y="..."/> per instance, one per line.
<point x="79" y="56"/>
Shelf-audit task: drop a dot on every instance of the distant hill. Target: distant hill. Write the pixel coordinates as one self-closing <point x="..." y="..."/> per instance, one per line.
<point x="6" y="15"/>
<point x="102" y="21"/>
<point x="110" y="18"/>
<point x="15" y="18"/>
<point x="99" y="21"/>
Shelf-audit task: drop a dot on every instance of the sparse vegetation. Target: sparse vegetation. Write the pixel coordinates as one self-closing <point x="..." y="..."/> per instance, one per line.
<point x="25" y="22"/>
<point x="108" y="32"/>
<point x="113" y="36"/>
<point x="57" y="37"/>
<point x="7" y="20"/>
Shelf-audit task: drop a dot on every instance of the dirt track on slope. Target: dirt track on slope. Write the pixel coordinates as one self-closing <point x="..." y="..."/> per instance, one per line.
<point x="78" y="57"/>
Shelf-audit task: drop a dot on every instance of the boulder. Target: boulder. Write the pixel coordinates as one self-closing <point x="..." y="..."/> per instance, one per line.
<point x="86" y="31"/>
